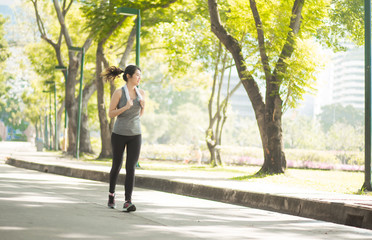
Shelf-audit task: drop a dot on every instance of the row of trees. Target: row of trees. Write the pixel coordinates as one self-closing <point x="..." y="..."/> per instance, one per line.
<point x="272" y="45"/>
<point x="344" y="132"/>
<point x="10" y="104"/>
<point x="336" y="128"/>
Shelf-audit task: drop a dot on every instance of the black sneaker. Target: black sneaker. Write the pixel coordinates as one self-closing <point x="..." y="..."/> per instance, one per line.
<point x="111" y="201"/>
<point x="129" y="206"/>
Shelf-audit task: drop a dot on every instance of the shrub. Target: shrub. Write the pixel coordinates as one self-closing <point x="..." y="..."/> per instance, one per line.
<point x="165" y="152"/>
<point x="235" y="155"/>
<point x="310" y="156"/>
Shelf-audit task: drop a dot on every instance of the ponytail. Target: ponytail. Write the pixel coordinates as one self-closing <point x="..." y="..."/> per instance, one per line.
<point x="111" y="73"/>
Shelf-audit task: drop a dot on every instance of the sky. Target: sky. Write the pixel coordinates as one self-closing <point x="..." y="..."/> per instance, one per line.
<point x="9" y="2"/>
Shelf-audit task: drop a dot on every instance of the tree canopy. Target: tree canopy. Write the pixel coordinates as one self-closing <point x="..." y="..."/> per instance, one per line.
<point x="276" y="47"/>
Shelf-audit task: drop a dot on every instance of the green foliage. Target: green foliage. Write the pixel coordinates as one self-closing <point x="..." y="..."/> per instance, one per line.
<point x="343" y="132"/>
<point x="188" y="124"/>
<point x="42" y="52"/>
<point x="186" y="42"/>
<point x="300" y="77"/>
<point x="306" y="59"/>
<point x="11" y="113"/>
<point x="42" y="57"/>
<point x="168" y="99"/>
<point x="34" y="98"/>
<point x="350" y="157"/>
<point x="174" y="117"/>
<point x="187" y="45"/>
<point x="342" y="143"/>
<point x="303" y="155"/>
<point x="102" y="17"/>
<point x="346" y="23"/>
<point x="336" y="113"/>
<point x="303" y="133"/>
<point x="154" y="126"/>
<point x="35" y="106"/>
<point x="4" y="89"/>
<point x="239" y="131"/>
<point x="344" y="137"/>
<point x="165" y="152"/>
<point x="4" y="49"/>
<point x="4" y="54"/>
<point x="243" y="156"/>
<point x="179" y="35"/>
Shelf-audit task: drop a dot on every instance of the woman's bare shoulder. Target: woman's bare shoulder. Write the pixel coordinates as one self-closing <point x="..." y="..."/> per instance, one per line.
<point x="118" y="91"/>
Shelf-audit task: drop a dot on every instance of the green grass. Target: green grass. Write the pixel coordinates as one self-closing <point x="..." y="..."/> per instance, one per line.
<point x="178" y="166"/>
<point x="330" y="181"/>
<point x="320" y="180"/>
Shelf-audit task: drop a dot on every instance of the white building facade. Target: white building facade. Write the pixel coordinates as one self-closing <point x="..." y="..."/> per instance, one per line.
<point x="348" y="78"/>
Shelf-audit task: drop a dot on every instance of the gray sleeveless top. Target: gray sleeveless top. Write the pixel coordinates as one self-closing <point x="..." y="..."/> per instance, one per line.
<point x="128" y="123"/>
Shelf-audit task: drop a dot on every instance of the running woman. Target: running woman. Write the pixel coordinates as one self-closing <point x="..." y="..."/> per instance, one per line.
<point x="127" y="104"/>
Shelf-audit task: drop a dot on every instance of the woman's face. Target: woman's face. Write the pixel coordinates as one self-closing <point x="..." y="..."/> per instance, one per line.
<point x="135" y="78"/>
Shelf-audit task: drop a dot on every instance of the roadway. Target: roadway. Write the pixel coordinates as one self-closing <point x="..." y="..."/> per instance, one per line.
<point x="36" y="205"/>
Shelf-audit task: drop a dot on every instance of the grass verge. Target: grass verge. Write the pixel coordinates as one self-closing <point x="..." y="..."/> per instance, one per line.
<point x="320" y="180"/>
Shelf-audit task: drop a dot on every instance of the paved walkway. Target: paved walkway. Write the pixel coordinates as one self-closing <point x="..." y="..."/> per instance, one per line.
<point x="354" y="210"/>
<point x="40" y="206"/>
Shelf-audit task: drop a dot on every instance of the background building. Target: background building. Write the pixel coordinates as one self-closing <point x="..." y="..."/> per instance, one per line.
<point x="348" y="78"/>
<point x="239" y="101"/>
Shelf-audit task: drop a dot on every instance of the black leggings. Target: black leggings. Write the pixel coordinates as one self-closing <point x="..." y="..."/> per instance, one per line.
<point x="118" y="143"/>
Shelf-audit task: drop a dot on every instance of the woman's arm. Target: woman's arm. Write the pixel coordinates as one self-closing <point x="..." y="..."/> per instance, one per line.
<point x="113" y="110"/>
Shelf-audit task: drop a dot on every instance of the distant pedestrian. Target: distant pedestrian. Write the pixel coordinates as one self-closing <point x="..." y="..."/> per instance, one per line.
<point x="127" y="104"/>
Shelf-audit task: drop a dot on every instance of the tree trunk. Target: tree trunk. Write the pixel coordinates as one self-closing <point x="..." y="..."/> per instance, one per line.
<point x="269" y="113"/>
<point x="59" y="120"/>
<point x="85" y="145"/>
<point x="106" y="150"/>
<point x="212" y="148"/>
<point x="218" y="129"/>
<point x="128" y="49"/>
<point x="210" y="136"/>
<point x="71" y="104"/>
<point x="274" y="157"/>
<point x="105" y="125"/>
<point x="37" y="131"/>
<point x="218" y="157"/>
<point x="40" y="128"/>
<point x="216" y="120"/>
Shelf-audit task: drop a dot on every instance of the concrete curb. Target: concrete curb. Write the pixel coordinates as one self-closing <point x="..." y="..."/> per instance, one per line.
<point x="321" y="210"/>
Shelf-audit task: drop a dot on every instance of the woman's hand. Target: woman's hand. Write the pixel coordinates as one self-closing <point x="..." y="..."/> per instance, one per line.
<point x="113" y="110"/>
<point x="129" y="104"/>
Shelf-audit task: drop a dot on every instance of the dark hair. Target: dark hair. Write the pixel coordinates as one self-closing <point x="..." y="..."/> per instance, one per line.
<point x="112" y="72"/>
<point x="130" y="69"/>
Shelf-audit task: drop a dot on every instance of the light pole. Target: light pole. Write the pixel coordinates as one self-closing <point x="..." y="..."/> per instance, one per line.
<point x="82" y="50"/>
<point x="367" y="112"/>
<point x="55" y="114"/>
<point x="49" y="117"/>
<point x="133" y="12"/>
<point x="46" y="133"/>
<point x="65" y="71"/>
